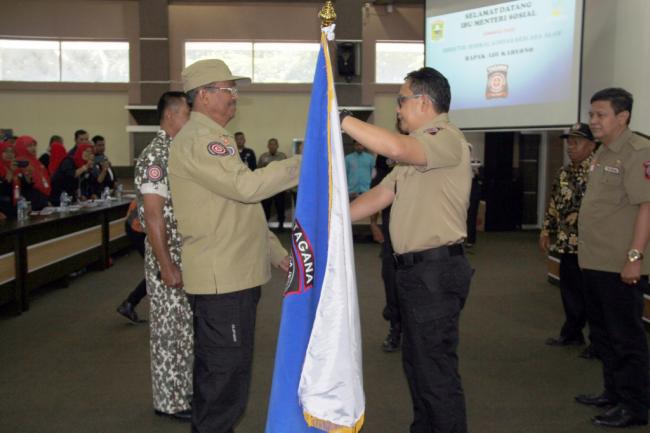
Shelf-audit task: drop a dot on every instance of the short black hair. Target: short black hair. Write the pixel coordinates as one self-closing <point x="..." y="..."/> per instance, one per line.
<point x="79" y="132"/>
<point x="56" y="138"/>
<point x="621" y="99"/>
<point x="238" y="133"/>
<point x="430" y="82"/>
<point x="97" y="138"/>
<point x="169" y="99"/>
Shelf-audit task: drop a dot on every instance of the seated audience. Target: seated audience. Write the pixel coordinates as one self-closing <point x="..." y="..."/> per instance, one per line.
<point x="105" y="174"/>
<point x="80" y="137"/>
<point x="45" y="157"/>
<point x="35" y="185"/>
<point x="57" y="155"/>
<point x="9" y="180"/>
<point x="75" y="175"/>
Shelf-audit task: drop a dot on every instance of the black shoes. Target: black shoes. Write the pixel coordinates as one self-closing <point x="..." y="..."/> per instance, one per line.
<point x="392" y="341"/>
<point x="184" y="415"/>
<point x="589" y="353"/>
<point x="564" y="341"/>
<point x="126" y="309"/>
<point x="619" y="417"/>
<point x="600" y="400"/>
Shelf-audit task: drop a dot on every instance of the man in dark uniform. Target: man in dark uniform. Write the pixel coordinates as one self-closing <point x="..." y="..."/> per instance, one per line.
<point x="429" y="191"/>
<point x="391" y="343"/>
<point x="246" y="154"/>
<point x="614" y="230"/>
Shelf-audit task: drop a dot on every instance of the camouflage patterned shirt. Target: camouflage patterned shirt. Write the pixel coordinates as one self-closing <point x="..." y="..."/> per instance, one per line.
<point x="151" y="178"/>
<point x="561" y="219"/>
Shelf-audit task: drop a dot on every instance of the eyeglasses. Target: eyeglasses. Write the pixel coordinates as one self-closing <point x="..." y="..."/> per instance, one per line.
<point x="232" y="90"/>
<point x="402" y="98"/>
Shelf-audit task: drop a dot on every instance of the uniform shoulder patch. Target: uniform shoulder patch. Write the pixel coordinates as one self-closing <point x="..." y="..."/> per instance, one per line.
<point x="432" y="131"/>
<point x="646" y="169"/>
<point x="217" y="148"/>
<point x="154" y="172"/>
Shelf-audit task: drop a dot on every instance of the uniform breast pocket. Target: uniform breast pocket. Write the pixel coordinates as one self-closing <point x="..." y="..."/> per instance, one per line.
<point x="610" y="187"/>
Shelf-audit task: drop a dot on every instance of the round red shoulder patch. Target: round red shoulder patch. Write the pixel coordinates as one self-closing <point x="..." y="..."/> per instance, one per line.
<point x="646" y="169"/>
<point x="217" y="149"/>
<point x="154" y="172"/>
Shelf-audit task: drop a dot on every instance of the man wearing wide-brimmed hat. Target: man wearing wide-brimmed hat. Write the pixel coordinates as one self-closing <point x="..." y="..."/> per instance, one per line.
<point x="227" y="247"/>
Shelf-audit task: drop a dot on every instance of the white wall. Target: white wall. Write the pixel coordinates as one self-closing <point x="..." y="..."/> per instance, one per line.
<point x="616" y="53"/>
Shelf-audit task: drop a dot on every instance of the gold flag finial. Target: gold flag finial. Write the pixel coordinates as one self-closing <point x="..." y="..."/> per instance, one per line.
<point x="327" y="14"/>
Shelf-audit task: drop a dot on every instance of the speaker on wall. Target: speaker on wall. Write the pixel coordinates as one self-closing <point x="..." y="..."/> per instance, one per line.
<point x="346" y="59"/>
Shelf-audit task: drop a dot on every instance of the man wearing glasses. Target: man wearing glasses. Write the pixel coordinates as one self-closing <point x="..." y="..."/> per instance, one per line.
<point x="227" y="248"/>
<point x="429" y="192"/>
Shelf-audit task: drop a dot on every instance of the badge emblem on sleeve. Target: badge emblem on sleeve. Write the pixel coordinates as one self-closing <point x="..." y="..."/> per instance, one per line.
<point x="216" y="148"/>
<point x="646" y="169"/>
<point x="154" y="173"/>
<point x="432" y="131"/>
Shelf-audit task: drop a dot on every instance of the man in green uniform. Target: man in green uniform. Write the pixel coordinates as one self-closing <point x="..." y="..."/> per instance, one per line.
<point x="614" y="228"/>
<point x="227" y="247"/>
<point x="170" y="316"/>
<point x="561" y="224"/>
<point x="429" y="192"/>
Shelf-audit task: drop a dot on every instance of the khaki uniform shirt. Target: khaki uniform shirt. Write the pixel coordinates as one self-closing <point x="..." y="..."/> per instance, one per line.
<point x="618" y="183"/>
<point x="226" y="243"/>
<point x="431" y="201"/>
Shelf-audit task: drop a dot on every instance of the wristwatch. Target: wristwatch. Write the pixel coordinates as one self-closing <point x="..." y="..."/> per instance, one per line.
<point x="634" y="255"/>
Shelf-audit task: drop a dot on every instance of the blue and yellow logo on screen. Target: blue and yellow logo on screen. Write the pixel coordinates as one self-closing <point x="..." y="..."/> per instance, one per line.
<point x="437" y="31"/>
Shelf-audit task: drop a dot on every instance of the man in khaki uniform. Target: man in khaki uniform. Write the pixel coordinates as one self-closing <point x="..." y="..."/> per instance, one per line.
<point x="429" y="192"/>
<point x="614" y="227"/>
<point x="227" y="247"/>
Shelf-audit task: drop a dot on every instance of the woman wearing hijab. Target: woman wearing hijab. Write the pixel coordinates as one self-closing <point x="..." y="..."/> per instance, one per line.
<point x="36" y="186"/>
<point x="56" y="157"/>
<point x="45" y="157"/>
<point x="74" y="175"/>
<point x="9" y="180"/>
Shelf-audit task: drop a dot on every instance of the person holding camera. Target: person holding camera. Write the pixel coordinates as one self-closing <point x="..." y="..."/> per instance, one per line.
<point x="105" y="175"/>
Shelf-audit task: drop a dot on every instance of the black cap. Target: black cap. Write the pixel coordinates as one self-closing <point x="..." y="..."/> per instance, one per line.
<point x="579" y="130"/>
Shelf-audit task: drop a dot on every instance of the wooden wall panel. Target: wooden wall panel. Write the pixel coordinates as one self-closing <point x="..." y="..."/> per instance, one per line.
<point x="48" y="252"/>
<point x="7" y="268"/>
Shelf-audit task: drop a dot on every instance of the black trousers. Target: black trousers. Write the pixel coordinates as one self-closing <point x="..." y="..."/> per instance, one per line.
<point x="573" y="297"/>
<point x="614" y="312"/>
<point x="391" y="310"/>
<point x="278" y="200"/>
<point x="472" y="211"/>
<point x="224" y="328"/>
<point x="431" y="296"/>
<point x="137" y="241"/>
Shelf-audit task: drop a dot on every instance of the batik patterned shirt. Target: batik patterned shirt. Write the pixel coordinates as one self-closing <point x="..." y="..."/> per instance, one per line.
<point x="561" y="219"/>
<point x="151" y="178"/>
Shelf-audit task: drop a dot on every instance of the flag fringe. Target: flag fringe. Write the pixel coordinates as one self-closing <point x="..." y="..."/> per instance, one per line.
<point x="330" y="427"/>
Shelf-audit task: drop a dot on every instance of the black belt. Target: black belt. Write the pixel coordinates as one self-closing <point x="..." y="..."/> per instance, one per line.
<point x="410" y="259"/>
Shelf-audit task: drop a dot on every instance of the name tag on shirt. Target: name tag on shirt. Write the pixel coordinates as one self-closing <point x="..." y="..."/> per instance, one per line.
<point x="613" y="170"/>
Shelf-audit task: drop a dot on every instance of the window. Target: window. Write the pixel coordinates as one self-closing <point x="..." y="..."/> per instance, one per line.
<point x="103" y="62"/>
<point x="264" y="62"/>
<point x="64" y="61"/>
<point x="284" y="62"/>
<point x="396" y="59"/>
<point x="237" y="55"/>
<point x="29" y="60"/>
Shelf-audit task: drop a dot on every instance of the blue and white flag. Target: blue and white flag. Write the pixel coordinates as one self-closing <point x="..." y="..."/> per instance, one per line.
<point x="318" y="378"/>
